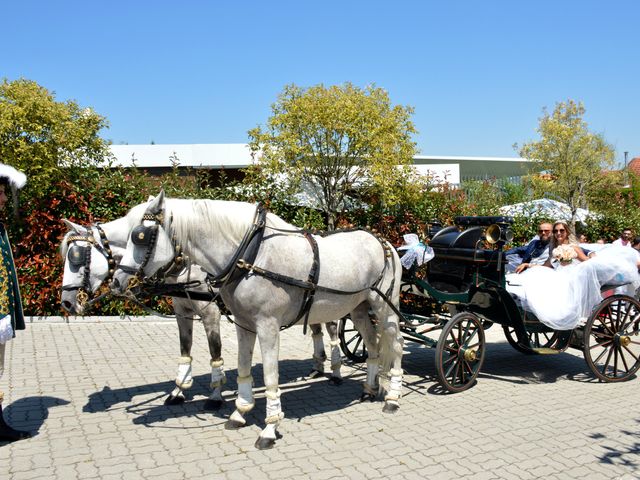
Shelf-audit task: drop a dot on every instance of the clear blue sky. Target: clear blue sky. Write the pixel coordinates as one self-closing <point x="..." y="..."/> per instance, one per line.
<point x="478" y="73"/>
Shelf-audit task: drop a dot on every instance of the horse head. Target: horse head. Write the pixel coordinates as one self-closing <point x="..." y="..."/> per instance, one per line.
<point x="149" y="248"/>
<point x="88" y="262"/>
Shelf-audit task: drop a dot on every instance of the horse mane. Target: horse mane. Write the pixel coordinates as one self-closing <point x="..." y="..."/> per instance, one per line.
<point x="231" y="219"/>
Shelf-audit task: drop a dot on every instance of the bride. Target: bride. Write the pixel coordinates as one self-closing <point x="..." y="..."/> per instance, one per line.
<point x="563" y="295"/>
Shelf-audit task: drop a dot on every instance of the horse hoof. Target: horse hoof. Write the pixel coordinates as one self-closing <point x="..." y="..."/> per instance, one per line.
<point x="233" y="425"/>
<point x="174" y="400"/>
<point x="367" y="396"/>
<point x="335" y="381"/>
<point x="314" y="374"/>
<point x="390" y="407"/>
<point x="213" y="405"/>
<point x="265" y="443"/>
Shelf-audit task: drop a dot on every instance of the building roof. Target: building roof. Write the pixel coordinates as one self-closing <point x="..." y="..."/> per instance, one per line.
<point x="210" y="155"/>
<point x="238" y="155"/>
<point x="634" y="165"/>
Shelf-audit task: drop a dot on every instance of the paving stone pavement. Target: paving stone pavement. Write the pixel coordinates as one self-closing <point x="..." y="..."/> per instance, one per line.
<point x="93" y="390"/>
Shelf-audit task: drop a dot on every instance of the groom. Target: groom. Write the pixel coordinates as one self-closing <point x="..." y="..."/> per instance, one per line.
<point x="536" y="251"/>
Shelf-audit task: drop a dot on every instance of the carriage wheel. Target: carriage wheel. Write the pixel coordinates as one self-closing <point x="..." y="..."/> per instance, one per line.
<point x="536" y="339"/>
<point x="351" y="342"/>
<point x="460" y="352"/>
<point x="611" y="339"/>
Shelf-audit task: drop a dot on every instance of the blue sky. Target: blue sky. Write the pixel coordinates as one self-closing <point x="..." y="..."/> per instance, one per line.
<point x="478" y="73"/>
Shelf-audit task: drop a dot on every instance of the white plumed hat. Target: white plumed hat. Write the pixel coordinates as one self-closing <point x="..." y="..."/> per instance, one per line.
<point x="16" y="178"/>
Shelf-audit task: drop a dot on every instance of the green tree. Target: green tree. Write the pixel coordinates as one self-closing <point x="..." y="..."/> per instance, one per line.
<point x="570" y="153"/>
<point x="45" y="138"/>
<point x="334" y="139"/>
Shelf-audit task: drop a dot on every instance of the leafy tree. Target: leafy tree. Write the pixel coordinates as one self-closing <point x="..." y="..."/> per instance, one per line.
<point x="572" y="156"/>
<point x="45" y="138"/>
<point x="334" y="139"/>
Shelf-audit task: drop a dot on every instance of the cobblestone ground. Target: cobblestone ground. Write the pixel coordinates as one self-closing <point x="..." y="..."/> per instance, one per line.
<point x="94" y="392"/>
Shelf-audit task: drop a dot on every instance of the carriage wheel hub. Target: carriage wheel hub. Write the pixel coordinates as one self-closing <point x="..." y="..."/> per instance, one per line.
<point x="470" y="355"/>
<point x="624" y="340"/>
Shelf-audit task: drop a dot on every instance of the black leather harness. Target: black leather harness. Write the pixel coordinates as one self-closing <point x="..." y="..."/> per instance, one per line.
<point x="241" y="265"/>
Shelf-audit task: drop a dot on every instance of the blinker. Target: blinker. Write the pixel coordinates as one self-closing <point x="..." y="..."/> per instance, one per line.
<point x="77" y="255"/>
<point x="141" y="235"/>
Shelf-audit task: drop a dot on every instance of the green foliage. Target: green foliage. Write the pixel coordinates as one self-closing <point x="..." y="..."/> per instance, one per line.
<point x="46" y="139"/>
<point x="334" y="139"/>
<point x="570" y="154"/>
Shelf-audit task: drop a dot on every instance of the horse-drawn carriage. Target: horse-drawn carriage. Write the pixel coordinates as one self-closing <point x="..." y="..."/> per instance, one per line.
<point x="260" y="277"/>
<point x="463" y="291"/>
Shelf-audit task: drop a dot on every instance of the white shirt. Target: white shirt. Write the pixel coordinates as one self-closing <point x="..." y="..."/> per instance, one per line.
<point x="621" y="243"/>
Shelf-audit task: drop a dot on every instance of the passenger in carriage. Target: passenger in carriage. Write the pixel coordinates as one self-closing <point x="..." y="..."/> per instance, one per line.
<point x="536" y="251"/>
<point x="556" y="257"/>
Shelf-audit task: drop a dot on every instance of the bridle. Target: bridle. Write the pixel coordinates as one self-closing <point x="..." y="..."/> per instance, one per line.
<point x="80" y="256"/>
<point x="147" y="236"/>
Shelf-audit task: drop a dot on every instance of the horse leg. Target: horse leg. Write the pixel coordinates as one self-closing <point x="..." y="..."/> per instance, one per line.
<point x="184" y="379"/>
<point x="336" y="354"/>
<point x="269" y="337"/>
<point x="244" y="402"/>
<point x="319" y="355"/>
<point x="391" y="348"/>
<point x="211" y="321"/>
<point x="362" y="322"/>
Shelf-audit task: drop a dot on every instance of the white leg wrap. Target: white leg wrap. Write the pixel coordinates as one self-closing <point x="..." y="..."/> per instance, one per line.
<point x="184" y="378"/>
<point x="245" y="402"/>
<point x="336" y="358"/>
<point x="395" y="385"/>
<point x="274" y="407"/>
<point x="218" y="377"/>
<point x="372" y="373"/>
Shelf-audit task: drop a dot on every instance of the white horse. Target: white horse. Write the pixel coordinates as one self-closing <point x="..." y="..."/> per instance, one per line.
<point x="90" y="257"/>
<point x="264" y="268"/>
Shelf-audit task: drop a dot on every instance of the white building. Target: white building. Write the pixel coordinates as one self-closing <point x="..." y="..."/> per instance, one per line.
<point x="235" y="156"/>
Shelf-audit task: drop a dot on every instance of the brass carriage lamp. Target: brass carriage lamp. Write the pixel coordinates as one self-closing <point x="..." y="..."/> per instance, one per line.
<point x="499" y="234"/>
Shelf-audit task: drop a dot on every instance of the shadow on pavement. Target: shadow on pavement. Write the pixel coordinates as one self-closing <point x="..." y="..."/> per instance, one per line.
<point x="501" y="363"/>
<point x="30" y="413"/>
<point x="626" y="457"/>
<point x="301" y="396"/>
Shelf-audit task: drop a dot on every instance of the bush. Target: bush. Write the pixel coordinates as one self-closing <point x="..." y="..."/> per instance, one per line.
<point x="91" y="195"/>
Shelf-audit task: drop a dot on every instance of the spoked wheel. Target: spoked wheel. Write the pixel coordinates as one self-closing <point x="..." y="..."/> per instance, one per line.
<point x="536" y="339"/>
<point x="611" y="339"/>
<point x="351" y="342"/>
<point x="460" y="352"/>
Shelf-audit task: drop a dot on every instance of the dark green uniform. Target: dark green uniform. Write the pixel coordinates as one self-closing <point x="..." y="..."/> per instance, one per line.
<point x="10" y="300"/>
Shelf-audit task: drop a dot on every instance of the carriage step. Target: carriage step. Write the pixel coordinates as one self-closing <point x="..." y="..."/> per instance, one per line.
<point x="546" y="351"/>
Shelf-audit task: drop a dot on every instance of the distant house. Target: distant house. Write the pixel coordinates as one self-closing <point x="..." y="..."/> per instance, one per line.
<point x="233" y="157"/>
<point x="634" y="165"/>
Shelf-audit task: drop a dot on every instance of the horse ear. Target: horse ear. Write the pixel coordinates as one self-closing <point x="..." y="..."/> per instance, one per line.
<point x="151" y="197"/>
<point x="157" y="204"/>
<point x="74" y="226"/>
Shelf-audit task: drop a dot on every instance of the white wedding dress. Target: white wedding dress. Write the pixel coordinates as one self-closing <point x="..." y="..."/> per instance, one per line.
<point x="563" y="298"/>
